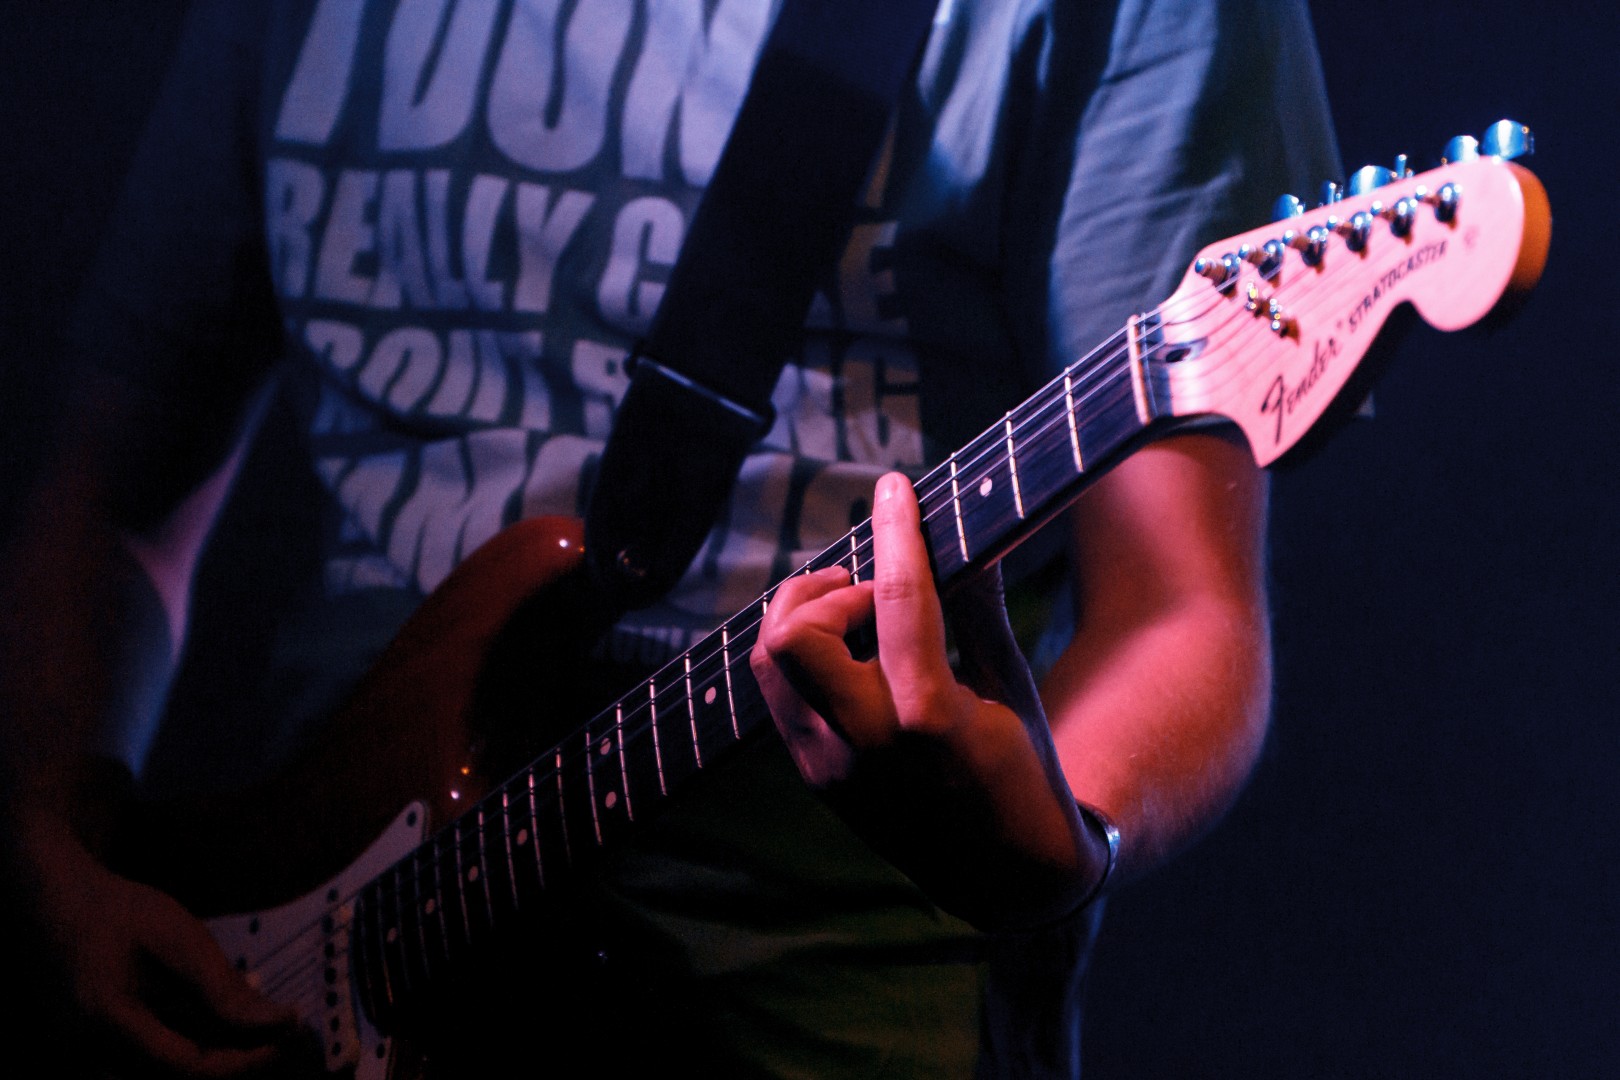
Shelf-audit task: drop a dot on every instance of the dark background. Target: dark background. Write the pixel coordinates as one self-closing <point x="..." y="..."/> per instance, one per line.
<point x="1420" y="879"/>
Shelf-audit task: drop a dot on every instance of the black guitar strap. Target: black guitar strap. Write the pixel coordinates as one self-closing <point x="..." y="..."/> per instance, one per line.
<point x="769" y="226"/>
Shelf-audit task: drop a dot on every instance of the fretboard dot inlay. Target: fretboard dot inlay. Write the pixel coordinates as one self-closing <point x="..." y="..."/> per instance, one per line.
<point x="430" y="907"/>
<point x="392" y="935"/>
<point x="522" y="837"/>
<point x="986" y="486"/>
<point x="709" y="695"/>
<point x="605" y="748"/>
<point x="472" y="874"/>
<point x="612" y="799"/>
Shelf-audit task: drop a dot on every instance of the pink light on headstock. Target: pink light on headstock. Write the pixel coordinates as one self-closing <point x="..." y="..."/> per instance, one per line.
<point x="1268" y="326"/>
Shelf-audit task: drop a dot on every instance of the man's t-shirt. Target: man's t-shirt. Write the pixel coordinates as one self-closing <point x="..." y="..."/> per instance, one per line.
<point x="444" y="224"/>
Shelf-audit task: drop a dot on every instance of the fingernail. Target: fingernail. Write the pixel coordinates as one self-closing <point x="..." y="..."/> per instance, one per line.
<point x="887" y="486"/>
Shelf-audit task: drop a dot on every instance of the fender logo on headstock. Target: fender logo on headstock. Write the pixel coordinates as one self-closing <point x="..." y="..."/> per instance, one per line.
<point x="1282" y="400"/>
<point x="1420" y="258"/>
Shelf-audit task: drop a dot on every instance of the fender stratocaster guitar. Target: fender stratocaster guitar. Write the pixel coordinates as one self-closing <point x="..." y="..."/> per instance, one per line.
<point x="1265" y="329"/>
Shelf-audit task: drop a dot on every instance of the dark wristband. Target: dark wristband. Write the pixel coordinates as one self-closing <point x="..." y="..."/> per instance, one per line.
<point x="1100" y="822"/>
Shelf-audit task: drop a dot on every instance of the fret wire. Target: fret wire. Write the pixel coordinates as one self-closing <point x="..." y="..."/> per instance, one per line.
<point x="725" y="665"/>
<point x="1074" y="424"/>
<point x="658" y="753"/>
<point x="438" y="894"/>
<point x="534" y="830"/>
<point x="691" y="711"/>
<point x="511" y="863"/>
<point x="483" y="871"/>
<point x="461" y="895"/>
<point x="562" y="808"/>
<point x="624" y="765"/>
<point x="956" y="501"/>
<point x="590" y="782"/>
<point x="1012" y="468"/>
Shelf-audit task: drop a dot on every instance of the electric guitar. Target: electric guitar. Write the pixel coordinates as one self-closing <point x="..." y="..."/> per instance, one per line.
<point x="1266" y="329"/>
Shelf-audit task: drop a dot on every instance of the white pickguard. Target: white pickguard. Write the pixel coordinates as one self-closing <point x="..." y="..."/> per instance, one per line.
<point x="298" y="954"/>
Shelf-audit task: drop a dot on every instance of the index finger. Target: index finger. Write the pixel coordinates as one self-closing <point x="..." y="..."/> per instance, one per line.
<point x="910" y="624"/>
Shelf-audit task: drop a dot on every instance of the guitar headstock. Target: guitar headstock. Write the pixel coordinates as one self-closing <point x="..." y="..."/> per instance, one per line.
<point x="1267" y="327"/>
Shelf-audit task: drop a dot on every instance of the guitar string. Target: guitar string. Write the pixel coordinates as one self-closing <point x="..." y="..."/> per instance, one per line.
<point x="1088" y="369"/>
<point x="635" y="730"/>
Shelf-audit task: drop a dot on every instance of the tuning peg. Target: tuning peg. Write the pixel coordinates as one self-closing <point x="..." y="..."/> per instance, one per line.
<point x="1287" y="206"/>
<point x="1401" y="170"/>
<point x="1444" y="201"/>
<point x="1400" y="216"/>
<point x="1368" y="177"/>
<point x="1267" y="258"/>
<point x="1460" y="148"/>
<point x="1310" y="244"/>
<point x="1507" y="139"/>
<point x="1356" y="230"/>
<point x="1331" y="193"/>
<point x="1222" y="271"/>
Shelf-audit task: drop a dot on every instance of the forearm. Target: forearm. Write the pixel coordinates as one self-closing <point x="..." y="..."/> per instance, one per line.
<point x="85" y="650"/>
<point x="96" y="587"/>
<point x="1159" y="705"/>
<point x="1160" y="726"/>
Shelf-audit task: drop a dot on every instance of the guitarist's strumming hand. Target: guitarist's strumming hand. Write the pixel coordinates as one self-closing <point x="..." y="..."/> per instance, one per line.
<point x="949" y="775"/>
<point x="150" y="992"/>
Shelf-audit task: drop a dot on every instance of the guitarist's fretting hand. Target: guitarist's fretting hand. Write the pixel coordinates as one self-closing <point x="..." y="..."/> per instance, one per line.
<point x="148" y="988"/>
<point x="955" y="782"/>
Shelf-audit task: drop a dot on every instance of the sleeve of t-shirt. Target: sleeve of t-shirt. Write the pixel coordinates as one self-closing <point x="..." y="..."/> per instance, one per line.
<point x="177" y="312"/>
<point x="1203" y="113"/>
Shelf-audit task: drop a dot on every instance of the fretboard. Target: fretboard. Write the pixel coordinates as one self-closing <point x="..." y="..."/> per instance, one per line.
<point x="498" y="863"/>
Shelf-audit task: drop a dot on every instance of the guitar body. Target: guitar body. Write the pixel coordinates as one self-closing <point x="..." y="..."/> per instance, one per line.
<point x="275" y="870"/>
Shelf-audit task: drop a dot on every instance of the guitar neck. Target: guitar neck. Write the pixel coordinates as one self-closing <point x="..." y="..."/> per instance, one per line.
<point x="507" y="855"/>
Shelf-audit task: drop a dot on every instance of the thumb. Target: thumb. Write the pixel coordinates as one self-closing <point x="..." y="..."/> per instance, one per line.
<point x="990" y="662"/>
<point x="181" y="943"/>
